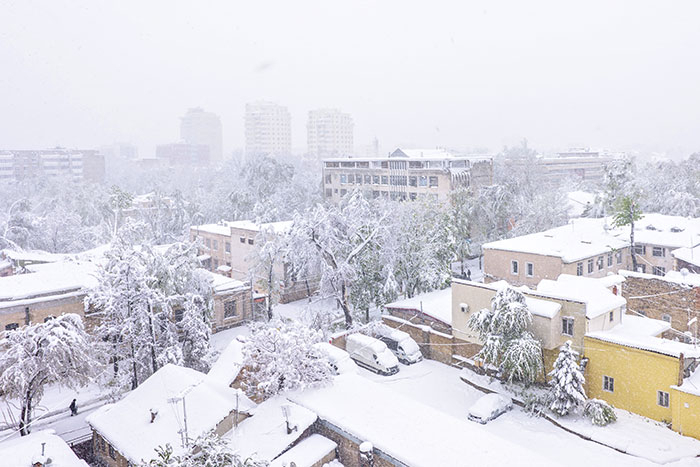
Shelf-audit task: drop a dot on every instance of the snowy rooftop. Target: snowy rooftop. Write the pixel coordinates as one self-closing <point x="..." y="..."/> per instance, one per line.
<point x="33" y="256"/>
<point x="593" y="292"/>
<point x="639" y="333"/>
<point x="691" y="385"/>
<point x="224" y="227"/>
<point x="265" y="433"/>
<point x="537" y="306"/>
<point x="228" y="365"/>
<point x="26" y="450"/>
<point x="689" y="255"/>
<point x="222" y="283"/>
<point x="127" y="424"/>
<point x="583" y="238"/>
<point x="406" y="429"/>
<point x="436" y="304"/>
<point x="307" y="453"/>
<point x="674" y="277"/>
<point x="49" y="279"/>
<point x="578" y="201"/>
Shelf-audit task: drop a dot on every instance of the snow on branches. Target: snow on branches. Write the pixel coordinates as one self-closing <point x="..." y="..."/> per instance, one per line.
<point x="280" y="356"/>
<point x="566" y="386"/>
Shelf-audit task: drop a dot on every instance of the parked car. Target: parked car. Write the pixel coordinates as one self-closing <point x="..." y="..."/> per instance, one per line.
<point x="489" y="407"/>
<point x="372" y="354"/>
<point x="340" y="360"/>
<point x="401" y="345"/>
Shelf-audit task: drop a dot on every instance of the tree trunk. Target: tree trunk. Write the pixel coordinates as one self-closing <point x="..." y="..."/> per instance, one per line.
<point x="154" y="362"/>
<point x="26" y="415"/>
<point x="269" y="293"/>
<point x="343" y="302"/>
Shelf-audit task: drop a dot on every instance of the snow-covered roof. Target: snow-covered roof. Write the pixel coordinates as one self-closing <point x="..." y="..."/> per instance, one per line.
<point x="24" y="451"/>
<point x="221" y="284"/>
<point x="583" y="238"/>
<point x="537" y="306"/>
<point x="593" y="292"/>
<point x="127" y="424"/>
<point x="307" y="453"/>
<point x="406" y="429"/>
<point x="689" y="255"/>
<point x="683" y="277"/>
<point x="436" y="304"/>
<point x="224" y="227"/>
<point x="639" y="333"/>
<point x="221" y="228"/>
<point x="265" y="433"/>
<point x="674" y="277"/>
<point x="49" y="279"/>
<point x="33" y="256"/>
<point x="228" y="365"/>
<point x="578" y="201"/>
<point x="691" y="384"/>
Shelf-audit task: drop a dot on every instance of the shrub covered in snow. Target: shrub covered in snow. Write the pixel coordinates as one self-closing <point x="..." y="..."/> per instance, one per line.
<point x="280" y="356"/>
<point x="507" y="343"/>
<point x="599" y="412"/>
<point x="566" y="387"/>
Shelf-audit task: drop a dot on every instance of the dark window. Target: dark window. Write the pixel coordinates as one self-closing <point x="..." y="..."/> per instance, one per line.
<point x="329" y="192"/>
<point x="250" y="241"/>
<point x="329" y="178"/>
<point x="590" y="266"/>
<point x="375" y="179"/>
<point x="579" y="269"/>
<point x="368" y="179"/>
<point x="567" y="326"/>
<point x="413" y="196"/>
<point x="351" y="178"/>
<point x="618" y="256"/>
<point x="608" y="384"/>
<point x="228" y="247"/>
<point x="433" y="181"/>
<point x="413" y="181"/>
<point x="658" y="271"/>
<point x="663" y="398"/>
<point x="230" y="309"/>
<point x="242" y="239"/>
<point x="610" y="261"/>
<point x="385" y="180"/>
<point x="11" y="326"/>
<point x="600" y="263"/>
<point x="658" y="251"/>
<point x="514" y="267"/>
<point x="530" y="269"/>
<point x="208" y="242"/>
<point x="611" y="315"/>
<point x="640" y="249"/>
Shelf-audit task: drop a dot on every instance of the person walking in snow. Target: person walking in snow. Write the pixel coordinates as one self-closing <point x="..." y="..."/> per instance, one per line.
<point x="469" y="274"/>
<point x="73" y="408"/>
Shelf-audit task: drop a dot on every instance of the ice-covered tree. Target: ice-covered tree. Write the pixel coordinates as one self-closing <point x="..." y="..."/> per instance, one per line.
<point x="55" y="352"/>
<point x="627" y="212"/>
<point x="280" y="356"/>
<point x="599" y="412"/>
<point x="267" y="258"/>
<point x="507" y="344"/>
<point x="566" y="386"/>
<point x="195" y="333"/>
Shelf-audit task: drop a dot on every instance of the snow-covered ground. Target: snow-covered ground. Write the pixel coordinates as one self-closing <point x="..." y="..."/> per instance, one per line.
<point x="440" y="387"/>
<point x="473" y="266"/>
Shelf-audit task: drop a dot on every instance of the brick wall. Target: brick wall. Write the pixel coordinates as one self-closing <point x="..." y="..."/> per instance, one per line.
<point x="416" y="317"/>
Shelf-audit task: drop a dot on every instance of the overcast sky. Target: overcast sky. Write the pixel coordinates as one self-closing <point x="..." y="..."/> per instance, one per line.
<point x="459" y="74"/>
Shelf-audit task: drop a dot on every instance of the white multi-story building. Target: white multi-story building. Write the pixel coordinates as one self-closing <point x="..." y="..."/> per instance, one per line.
<point x="200" y="127"/>
<point x="329" y="133"/>
<point x="268" y="129"/>
<point x="28" y="164"/>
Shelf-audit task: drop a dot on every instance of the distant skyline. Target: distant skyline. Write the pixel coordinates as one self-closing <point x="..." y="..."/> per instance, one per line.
<point x="619" y="75"/>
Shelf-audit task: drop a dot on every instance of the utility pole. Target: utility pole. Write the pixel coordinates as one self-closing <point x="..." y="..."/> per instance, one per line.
<point x="184" y="440"/>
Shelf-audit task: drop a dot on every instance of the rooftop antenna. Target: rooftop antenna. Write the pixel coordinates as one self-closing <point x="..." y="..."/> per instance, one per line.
<point x="183" y="433"/>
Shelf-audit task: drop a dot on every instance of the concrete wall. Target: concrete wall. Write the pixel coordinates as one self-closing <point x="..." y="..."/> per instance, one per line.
<point x="685" y="409"/>
<point x="638" y="375"/>
<point x="38" y="312"/>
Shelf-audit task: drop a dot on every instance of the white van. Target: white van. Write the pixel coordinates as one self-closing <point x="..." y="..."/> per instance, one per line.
<point x="372" y="354"/>
<point x="401" y="344"/>
<point x="340" y="360"/>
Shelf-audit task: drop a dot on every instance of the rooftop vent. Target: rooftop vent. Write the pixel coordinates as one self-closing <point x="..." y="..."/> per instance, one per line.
<point x="651" y="227"/>
<point x="676" y="229"/>
<point x="587" y="242"/>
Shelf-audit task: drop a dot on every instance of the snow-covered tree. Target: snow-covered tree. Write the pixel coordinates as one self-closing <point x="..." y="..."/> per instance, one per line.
<point x="508" y="344"/>
<point x="55" y="352"/>
<point x="566" y="386"/>
<point x="195" y="333"/>
<point x="280" y="356"/>
<point x="266" y="261"/>
<point x="599" y="412"/>
<point x="627" y="212"/>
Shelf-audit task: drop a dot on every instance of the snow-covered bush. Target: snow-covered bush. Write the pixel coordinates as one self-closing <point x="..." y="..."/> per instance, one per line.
<point x="507" y="343"/>
<point x="599" y="412"/>
<point x="566" y="386"/>
<point x="280" y="356"/>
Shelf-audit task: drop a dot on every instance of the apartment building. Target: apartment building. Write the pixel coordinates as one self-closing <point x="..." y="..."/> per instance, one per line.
<point x="268" y="129"/>
<point x="183" y="154"/>
<point x="589" y="248"/>
<point x="198" y="127"/>
<point x="78" y="164"/>
<point x="576" y="164"/>
<point x="329" y="133"/>
<point x="228" y="248"/>
<point x="405" y="174"/>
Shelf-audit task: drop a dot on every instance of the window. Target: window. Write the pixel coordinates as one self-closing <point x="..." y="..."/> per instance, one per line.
<point x="567" y="326"/>
<point x="658" y="271"/>
<point x="640" y="249"/>
<point x="215" y="244"/>
<point x="329" y="178"/>
<point x="433" y="181"/>
<point x="216" y="263"/>
<point x="610" y="261"/>
<point x="375" y="179"/>
<point x="600" y="263"/>
<point x="329" y="192"/>
<point x="413" y="196"/>
<point x="228" y="244"/>
<point x="579" y="269"/>
<point x="422" y="180"/>
<point x="642" y="268"/>
<point x="618" y="257"/>
<point x="590" y="266"/>
<point x="666" y="317"/>
<point x="399" y="180"/>
<point x="343" y="179"/>
<point x="413" y="181"/>
<point x="385" y="180"/>
<point x="11" y="326"/>
<point x="343" y="192"/>
<point x="611" y="316"/>
<point x="662" y="398"/>
<point x="230" y="309"/>
<point x="608" y="384"/>
<point x="358" y="179"/>
<point x="658" y="251"/>
<point x="530" y="269"/>
<point x="368" y="179"/>
<point x="208" y="243"/>
<point x="351" y="178"/>
<point x="112" y="452"/>
<point x="242" y="239"/>
<point x="250" y="241"/>
<point x="513" y="267"/>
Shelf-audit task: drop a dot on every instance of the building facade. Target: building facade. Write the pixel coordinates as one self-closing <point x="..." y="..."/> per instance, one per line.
<point x="329" y="133"/>
<point x="86" y="165"/>
<point x="268" y="129"/>
<point x="576" y="164"/>
<point x="199" y="127"/>
<point x="183" y="154"/>
<point x="405" y="174"/>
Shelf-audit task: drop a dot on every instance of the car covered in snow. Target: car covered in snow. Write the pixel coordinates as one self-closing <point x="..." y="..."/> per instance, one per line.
<point x="339" y="359"/>
<point x="489" y="407"/>
<point x="372" y="354"/>
<point x="401" y="345"/>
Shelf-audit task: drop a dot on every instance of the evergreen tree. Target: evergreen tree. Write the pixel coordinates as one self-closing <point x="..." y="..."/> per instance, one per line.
<point x="627" y="212"/>
<point x="566" y="386"/>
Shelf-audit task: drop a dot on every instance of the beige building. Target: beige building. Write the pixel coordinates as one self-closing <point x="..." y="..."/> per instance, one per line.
<point x="329" y="133"/>
<point x="268" y="129"/>
<point x="405" y="174"/>
<point x="590" y="248"/>
<point x="562" y="310"/>
<point x="576" y="164"/>
<point x="200" y="127"/>
<point x="229" y="248"/>
<point x="78" y="164"/>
